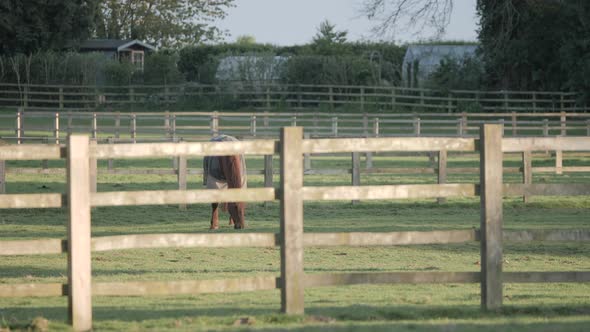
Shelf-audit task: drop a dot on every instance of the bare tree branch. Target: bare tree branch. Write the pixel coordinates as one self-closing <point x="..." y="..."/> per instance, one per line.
<point x="414" y="16"/>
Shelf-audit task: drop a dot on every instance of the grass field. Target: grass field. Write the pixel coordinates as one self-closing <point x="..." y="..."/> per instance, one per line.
<point x="528" y="307"/>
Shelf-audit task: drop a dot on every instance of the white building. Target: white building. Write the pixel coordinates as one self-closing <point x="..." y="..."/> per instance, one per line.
<point x="422" y="60"/>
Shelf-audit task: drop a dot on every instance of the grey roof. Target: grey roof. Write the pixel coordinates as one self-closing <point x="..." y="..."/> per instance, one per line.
<point x="112" y="44"/>
<point x="428" y="58"/>
<point x="430" y="55"/>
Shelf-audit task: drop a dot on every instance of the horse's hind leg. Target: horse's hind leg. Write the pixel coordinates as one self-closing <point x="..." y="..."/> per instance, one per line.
<point x="231" y="221"/>
<point x="214" y="216"/>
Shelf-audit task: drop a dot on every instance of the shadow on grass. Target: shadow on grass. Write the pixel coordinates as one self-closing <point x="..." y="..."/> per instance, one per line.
<point x="356" y="317"/>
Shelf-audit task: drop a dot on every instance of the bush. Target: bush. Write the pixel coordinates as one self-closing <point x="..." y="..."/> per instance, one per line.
<point x="160" y="69"/>
<point x="457" y="74"/>
<point x="331" y="70"/>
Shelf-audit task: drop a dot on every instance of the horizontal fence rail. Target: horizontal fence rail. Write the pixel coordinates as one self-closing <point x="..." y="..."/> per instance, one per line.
<point x="23" y="126"/>
<point x="291" y="194"/>
<point x="261" y="95"/>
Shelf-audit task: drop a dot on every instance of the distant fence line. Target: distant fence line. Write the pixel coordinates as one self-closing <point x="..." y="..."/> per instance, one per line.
<point x="172" y="126"/>
<point x="292" y="96"/>
<point x="292" y="282"/>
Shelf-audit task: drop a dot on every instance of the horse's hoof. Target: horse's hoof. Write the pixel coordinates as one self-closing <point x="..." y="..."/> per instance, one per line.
<point x="212" y="228"/>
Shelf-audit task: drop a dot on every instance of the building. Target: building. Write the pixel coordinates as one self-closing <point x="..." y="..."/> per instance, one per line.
<point x="422" y="60"/>
<point x="123" y="50"/>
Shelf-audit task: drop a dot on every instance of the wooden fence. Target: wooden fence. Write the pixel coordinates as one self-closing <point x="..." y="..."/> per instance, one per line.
<point x="23" y="126"/>
<point x="291" y="239"/>
<point x="271" y="96"/>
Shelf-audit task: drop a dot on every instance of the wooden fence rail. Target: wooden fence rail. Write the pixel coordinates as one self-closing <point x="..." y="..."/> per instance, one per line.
<point x="271" y="96"/>
<point x="117" y="127"/>
<point x="291" y="239"/>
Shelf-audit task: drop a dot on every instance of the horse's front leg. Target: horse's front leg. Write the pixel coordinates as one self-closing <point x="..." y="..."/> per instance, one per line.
<point x="214" y="216"/>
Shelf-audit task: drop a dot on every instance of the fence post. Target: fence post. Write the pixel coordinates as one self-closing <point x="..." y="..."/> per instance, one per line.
<point x="545" y="127"/>
<point x="268" y="173"/>
<point x="376" y="127"/>
<point x="464" y="124"/>
<point x="79" y="266"/>
<point x="559" y="162"/>
<point x="335" y="126"/>
<point x="356" y="172"/>
<point x="267" y="98"/>
<point x="291" y="236"/>
<point x="587" y="127"/>
<point x="513" y="122"/>
<point x="442" y="172"/>
<point x="416" y="126"/>
<point x="181" y="172"/>
<point x="2" y="177"/>
<point x="491" y="215"/>
<point x="110" y="162"/>
<point x="167" y="124"/>
<point x="562" y="123"/>
<point x="253" y="125"/>
<point x="214" y="124"/>
<point x="134" y="128"/>
<point x="94" y="126"/>
<point x="19" y="126"/>
<point x="527" y="173"/>
<point x="173" y="128"/>
<point x="56" y="128"/>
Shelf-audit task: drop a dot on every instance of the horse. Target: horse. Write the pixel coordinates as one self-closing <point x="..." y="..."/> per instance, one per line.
<point x="222" y="172"/>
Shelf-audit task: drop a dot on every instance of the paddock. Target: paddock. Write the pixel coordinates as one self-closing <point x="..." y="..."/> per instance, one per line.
<point x="291" y="240"/>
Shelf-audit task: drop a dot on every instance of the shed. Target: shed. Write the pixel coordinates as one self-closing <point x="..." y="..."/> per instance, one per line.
<point x="422" y="60"/>
<point x="131" y="50"/>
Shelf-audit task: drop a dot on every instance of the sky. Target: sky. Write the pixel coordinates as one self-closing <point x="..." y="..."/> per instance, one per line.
<point x="295" y="22"/>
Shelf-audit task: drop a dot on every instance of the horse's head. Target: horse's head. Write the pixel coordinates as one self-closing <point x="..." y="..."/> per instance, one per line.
<point x="236" y="211"/>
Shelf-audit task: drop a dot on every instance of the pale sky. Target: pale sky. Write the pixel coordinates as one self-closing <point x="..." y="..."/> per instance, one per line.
<point x="295" y="22"/>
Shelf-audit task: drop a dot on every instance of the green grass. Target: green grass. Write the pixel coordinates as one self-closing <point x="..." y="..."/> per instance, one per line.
<point x="528" y="307"/>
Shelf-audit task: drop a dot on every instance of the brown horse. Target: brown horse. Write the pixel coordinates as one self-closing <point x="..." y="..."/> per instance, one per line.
<point x="221" y="172"/>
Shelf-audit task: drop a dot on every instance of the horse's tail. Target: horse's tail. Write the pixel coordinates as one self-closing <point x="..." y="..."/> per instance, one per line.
<point x="231" y="167"/>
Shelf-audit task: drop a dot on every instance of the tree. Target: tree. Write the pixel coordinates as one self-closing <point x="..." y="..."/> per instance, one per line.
<point x="413" y="15"/>
<point x="161" y="22"/>
<point x="328" y="41"/>
<point x="245" y="40"/>
<point x="327" y="34"/>
<point x="27" y="26"/>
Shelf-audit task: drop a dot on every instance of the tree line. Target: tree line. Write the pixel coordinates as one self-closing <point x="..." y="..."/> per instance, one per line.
<point x="523" y="45"/>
